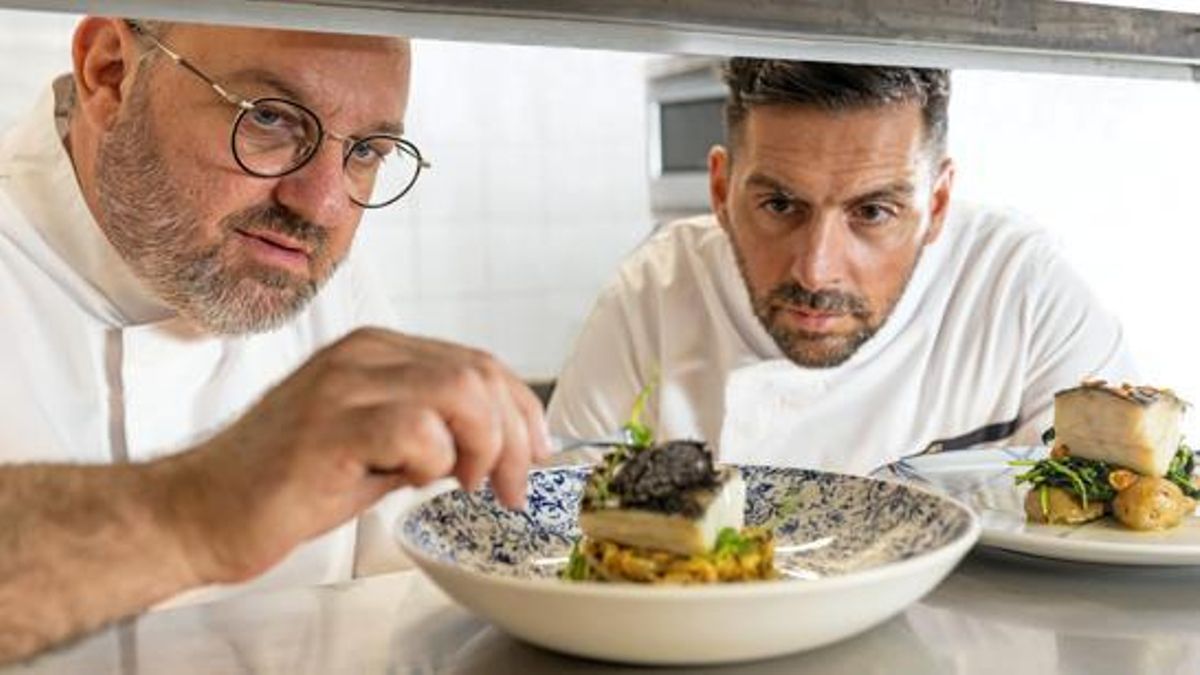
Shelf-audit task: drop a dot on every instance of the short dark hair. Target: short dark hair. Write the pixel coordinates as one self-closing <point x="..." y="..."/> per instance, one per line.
<point x="836" y="87"/>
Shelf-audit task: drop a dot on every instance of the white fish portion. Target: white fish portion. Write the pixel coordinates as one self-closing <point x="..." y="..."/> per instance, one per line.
<point x="1134" y="427"/>
<point x="724" y="506"/>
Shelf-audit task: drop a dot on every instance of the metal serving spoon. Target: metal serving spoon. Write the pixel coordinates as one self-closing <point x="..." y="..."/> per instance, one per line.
<point x="561" y="447"/>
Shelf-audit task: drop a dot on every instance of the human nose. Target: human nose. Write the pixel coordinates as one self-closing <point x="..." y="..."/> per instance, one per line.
<point x="819" y="253"/>
<point x="317" y="190"/>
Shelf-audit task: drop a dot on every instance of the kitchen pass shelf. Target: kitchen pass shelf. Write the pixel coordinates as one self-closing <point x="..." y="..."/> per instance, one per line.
<point x="1040" y="35"/>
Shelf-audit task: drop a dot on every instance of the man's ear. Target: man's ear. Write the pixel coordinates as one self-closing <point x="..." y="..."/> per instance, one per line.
<point x="718" y="183"/>
<point x="939" y="203"/>
<point x="106" y="56"/>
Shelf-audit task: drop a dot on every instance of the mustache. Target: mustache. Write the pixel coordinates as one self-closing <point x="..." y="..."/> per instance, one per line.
<point x="280" y="220"/>
<point x="825" y="301"/>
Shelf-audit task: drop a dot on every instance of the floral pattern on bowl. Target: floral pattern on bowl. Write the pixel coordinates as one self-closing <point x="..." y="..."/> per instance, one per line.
<point x="826" y="524"/>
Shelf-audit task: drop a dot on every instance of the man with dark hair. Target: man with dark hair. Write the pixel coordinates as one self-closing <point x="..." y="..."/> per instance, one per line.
<point x="836" y="86"/>
<point x="837" y="310"/>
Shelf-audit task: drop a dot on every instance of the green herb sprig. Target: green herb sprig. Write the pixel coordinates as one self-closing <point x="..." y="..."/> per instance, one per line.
<point x="1088" y="479"/>
<point x="1084" y="478"/>
<point x="730" y="542"/>
<point x="596" y="492"/>
<point x="640" y="435"/>
<point x="1180" y="471"/>
<point x="577" y="568"/>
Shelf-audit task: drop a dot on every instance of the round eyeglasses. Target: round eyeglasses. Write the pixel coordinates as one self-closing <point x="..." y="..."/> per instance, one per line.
<point x="273" y="137"/>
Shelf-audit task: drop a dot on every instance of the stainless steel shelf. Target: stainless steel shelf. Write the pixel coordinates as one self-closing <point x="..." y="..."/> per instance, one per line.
<point x="1044" y="35"/>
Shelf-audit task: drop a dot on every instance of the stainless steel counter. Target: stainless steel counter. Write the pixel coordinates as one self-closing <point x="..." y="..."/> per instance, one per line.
<point x="996" y="613"/>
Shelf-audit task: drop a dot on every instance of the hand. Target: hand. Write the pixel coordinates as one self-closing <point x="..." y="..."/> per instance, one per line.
<point x="369" y="414"/>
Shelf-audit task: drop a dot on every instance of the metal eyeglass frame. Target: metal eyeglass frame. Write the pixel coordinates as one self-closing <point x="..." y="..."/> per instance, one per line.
<point x="244" y="106"/>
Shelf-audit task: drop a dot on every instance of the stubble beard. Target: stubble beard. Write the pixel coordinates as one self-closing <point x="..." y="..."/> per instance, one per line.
<point x="151" y="224"/>
<point x="818" y="350"/>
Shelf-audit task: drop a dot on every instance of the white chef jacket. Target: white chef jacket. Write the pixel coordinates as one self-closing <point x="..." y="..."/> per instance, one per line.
<point x="94" y="368"/>
<point x="992" y="323"/>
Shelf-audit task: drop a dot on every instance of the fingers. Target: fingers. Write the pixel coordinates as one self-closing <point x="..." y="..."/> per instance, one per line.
<point x="371" y="413"/>
<point x="493" y="422"/>
<point x="466" y="400"/>
<point x="510" y="471"/>
<point x="482" y="406"/>
<point x="535" y="420"/>
<point x="526" y="442"/>
<point x="523" y="433"/>
<point x="462" y="399"/>
<point x="411" y="443"/>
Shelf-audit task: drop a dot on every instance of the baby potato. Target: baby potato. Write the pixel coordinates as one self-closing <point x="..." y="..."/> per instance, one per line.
<point x="1063" y="508"/>
<point x="1152" y="503"/>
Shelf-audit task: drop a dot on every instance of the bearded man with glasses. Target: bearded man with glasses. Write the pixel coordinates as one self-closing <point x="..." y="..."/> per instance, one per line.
<point x="199" y="385"/>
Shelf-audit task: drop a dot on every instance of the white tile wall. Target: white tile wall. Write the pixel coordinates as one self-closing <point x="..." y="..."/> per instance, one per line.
<point x="539" y="188"/>
<point x="1112" y="167"/>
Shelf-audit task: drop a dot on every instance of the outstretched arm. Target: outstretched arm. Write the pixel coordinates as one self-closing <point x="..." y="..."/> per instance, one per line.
<point x="81" y="546"/>
<point x="84" y="545"/>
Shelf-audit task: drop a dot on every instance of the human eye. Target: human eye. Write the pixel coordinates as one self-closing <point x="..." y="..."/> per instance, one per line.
<point x="369" y="154"/>
<point x="777" y="204"/>
<point x="265" y="117"/>
<point x="273" y="125"/>
<point x="373" y="152"/>
<point x="270" y="117"/>
<point x="875" y="214"/>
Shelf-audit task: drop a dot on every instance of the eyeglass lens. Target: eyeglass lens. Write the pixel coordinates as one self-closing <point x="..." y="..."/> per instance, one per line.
<point x="274" y="137"/>
<point x="381" y="169"/>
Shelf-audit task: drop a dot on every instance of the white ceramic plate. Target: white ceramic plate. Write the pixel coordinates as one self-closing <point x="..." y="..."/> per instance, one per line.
<point x="855" y="551"/>
<point x="983" y="479"/>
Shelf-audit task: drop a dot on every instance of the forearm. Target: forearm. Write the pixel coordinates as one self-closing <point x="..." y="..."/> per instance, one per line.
<point x="81" y="546"/>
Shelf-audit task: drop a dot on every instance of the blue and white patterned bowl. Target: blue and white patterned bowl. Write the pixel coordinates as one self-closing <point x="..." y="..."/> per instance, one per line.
<point x="853" y="551"/>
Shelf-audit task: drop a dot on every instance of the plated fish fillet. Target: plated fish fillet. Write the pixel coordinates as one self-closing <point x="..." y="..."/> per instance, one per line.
<point x="1117" y="450"/>
<point x="666" y="498"/>
<point x="1137" y="427"/>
